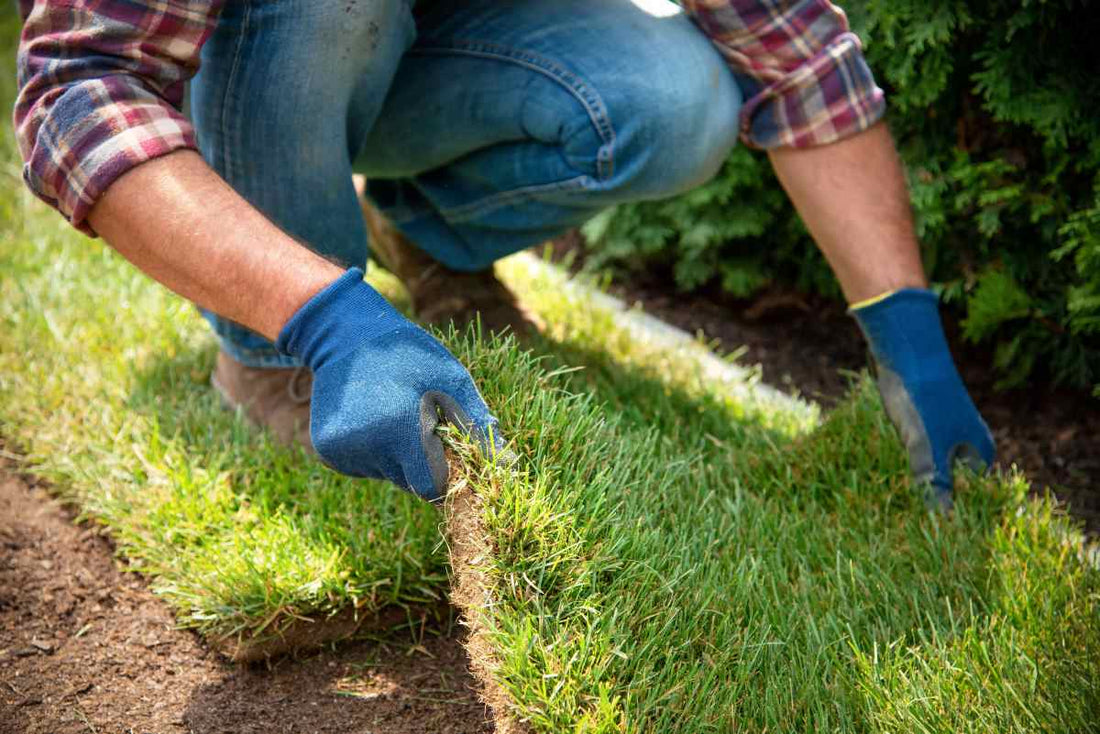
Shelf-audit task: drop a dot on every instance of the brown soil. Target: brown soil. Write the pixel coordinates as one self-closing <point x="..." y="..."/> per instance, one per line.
<point x="472" y="592"/>
<point x="85" y="647"/>
<point x="313" y="634"/>
<point x="803" y="343"/>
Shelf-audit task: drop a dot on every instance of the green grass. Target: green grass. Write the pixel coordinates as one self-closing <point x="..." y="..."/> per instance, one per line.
<point x="663" y="558"/>
<point x="636" y="586"/>
<point x="103" y="381"/>
<point x="682" y="567"/>
<point x="104" y="384"/>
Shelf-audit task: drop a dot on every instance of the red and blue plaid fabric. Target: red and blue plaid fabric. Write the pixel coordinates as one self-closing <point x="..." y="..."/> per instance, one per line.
<point x="101" y="83"/>
<point x="802" y="69"/>
<point x="100" y="91"/>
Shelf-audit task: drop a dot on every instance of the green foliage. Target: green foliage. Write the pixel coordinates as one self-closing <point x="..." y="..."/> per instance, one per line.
<point x="997" y="299"/>
<point x="993" y="104"/>
<point x="1082" y="242"/>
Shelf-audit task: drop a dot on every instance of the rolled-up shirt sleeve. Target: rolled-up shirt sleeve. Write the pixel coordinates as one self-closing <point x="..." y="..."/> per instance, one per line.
<point x="100" y="91"/>
<point x="801" y="67"/>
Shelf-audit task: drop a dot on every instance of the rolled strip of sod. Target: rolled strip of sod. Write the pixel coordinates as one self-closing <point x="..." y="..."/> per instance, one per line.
<point x="104" y="384"/>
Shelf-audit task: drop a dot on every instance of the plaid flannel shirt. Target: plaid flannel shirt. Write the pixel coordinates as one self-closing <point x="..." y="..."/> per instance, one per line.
<point x="101" y="84"/>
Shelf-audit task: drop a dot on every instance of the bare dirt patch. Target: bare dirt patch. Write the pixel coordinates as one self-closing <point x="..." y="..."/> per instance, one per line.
<point x="85" y="647"/>
<point x="471" y="591"/>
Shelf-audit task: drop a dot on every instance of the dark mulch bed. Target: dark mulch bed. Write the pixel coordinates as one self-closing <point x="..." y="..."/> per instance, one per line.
<point x="805" y="343"/>
<point x="85" y="647"/>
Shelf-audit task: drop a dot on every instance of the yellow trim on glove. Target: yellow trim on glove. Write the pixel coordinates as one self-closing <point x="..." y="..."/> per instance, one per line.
<point x="871" y="301"/>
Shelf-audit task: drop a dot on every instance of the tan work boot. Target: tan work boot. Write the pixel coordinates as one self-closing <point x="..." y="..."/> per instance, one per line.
<point x="277" y="399"/>
<point x="441" y="295"/>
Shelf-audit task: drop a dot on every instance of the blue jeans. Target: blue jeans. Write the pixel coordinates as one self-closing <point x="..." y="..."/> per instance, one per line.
<point x="483" y="126"/>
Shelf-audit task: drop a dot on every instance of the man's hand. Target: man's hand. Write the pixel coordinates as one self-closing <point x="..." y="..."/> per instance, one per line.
<point x="381" y="385"/>
<point x="922" y="391"/>
<point x="853" y="199"/>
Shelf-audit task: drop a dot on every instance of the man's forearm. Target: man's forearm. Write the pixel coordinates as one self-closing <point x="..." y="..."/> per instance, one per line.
<point x="853" y="198"/>
<point x="178" y="222"/>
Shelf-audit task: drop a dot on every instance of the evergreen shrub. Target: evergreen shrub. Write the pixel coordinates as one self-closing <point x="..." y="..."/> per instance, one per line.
<point x="996" y="108"/>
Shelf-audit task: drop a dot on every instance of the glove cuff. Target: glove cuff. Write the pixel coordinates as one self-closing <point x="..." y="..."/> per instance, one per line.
<point x="347" y="311"/>
<point x="921" y="388"/>
<point x="903" y="329"/>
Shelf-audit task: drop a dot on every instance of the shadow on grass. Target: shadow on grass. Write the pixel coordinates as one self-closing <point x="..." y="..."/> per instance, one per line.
<point x="641" y="399"/>
<point x="367" y="685"/>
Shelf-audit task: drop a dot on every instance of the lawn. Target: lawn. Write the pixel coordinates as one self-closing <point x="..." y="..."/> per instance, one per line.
<point x="664" y="556"/>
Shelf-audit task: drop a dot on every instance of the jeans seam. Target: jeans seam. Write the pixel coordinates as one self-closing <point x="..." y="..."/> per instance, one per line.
<point x="582" y="92"/>
<point x="475" y="209"/>
<point x="257" y="358"/>
<point x="229" y="82"/>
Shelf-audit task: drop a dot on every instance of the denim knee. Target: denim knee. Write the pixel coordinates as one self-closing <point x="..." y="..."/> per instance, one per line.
<point x="554" y="119"/>
<point x="673" y="131"/>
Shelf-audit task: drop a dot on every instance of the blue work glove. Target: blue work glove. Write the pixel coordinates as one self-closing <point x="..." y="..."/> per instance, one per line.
<point x="922" y="391"/>
<point x="381" y="386"/>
